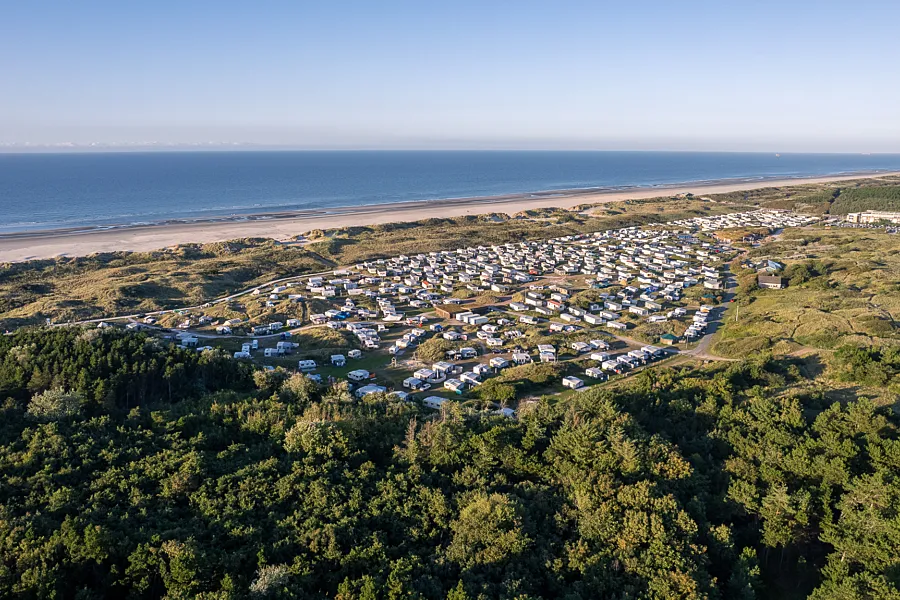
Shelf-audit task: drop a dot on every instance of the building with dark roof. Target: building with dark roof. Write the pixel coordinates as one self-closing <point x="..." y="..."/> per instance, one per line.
<point x="772" y="282"/>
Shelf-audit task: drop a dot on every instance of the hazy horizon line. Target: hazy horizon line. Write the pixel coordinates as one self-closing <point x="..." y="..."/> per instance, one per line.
<point x="162" y="147"/>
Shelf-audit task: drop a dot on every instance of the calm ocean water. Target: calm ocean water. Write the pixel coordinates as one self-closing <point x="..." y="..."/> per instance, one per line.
<point x="47" y="191"/>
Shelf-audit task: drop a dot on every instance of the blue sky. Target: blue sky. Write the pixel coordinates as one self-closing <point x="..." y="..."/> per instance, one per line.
<point x="648" y="74"/>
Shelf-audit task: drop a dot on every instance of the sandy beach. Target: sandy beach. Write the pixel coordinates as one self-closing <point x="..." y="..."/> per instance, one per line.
<point x="284" y="226"/>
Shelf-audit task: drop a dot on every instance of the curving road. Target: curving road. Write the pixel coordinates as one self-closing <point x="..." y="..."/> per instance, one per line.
<point x="228" y="298"/>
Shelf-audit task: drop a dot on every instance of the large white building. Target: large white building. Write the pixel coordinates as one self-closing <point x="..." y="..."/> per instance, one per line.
<point x="873" y="216"/>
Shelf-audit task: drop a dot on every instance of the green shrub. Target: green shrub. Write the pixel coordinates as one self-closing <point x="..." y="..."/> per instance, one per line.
<point x="54" y="405"/>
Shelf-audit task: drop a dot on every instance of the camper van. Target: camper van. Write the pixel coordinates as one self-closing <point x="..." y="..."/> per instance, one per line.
<point x="358" y="375"/>
<point x="434" y="402"/>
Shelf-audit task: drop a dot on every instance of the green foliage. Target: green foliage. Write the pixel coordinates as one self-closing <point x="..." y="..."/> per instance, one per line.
<point x="677" y="484"/>
<point x="858" y="199"/>
<point x="270" y="381"/>
<point x="315" y="439"/>
<point x="54" y="405"/>
<point x="489" y="530"/>
<point x="877" y="367"/>
<point x="838" y="198"/>
<point x="111" y="368"/>
<point x="494" y="390"/>
<point x="298" y="388"/>
<point x="803" y="272"/>
<point x="434" y="349"/>
<point x="534" y="376"/>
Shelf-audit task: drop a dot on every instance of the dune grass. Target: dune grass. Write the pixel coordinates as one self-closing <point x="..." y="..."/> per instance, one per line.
<point x="844" y="288"/>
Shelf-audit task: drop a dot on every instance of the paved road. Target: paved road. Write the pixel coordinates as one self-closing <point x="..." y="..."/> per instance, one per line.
<point x="217" y="336"/>
<point x="701" y="350"/>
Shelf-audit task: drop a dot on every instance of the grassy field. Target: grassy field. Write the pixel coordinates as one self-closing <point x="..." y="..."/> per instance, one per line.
<point x="844" y="289"/>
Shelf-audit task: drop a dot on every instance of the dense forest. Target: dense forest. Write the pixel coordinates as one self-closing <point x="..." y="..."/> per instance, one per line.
<point x="836" y="198"/>
<point x="856" y="199"/>
<point x="130" y="469"/>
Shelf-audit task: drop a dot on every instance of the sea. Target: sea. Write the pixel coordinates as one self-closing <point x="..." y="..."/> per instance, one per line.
<point x="103" y="190"/>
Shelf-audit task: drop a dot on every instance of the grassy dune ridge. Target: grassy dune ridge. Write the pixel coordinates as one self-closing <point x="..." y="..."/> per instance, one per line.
<point x="844" y="292"/>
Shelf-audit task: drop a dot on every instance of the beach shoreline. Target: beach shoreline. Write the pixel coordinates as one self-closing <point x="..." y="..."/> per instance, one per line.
<point x="286" y="225"/>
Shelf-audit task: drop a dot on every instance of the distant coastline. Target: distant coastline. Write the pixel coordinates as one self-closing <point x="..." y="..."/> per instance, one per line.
<point x="96" y="192"/>
<point x="336" y="211"/>
<point x="286" y="225"/>
<point x="339" y="211"/>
